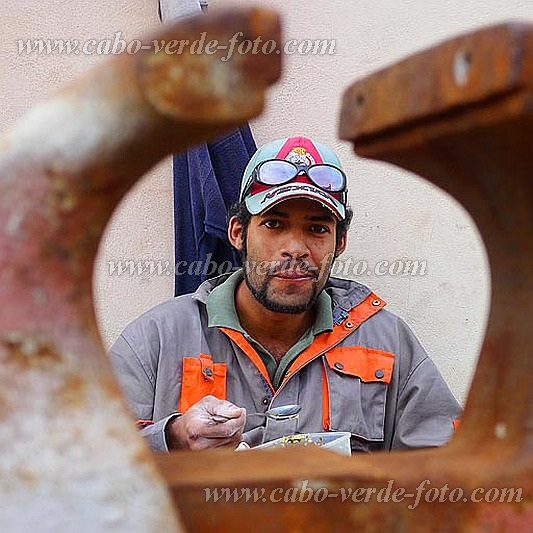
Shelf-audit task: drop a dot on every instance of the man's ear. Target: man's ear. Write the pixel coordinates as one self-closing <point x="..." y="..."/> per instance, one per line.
<point x="342" y="245"/>
<point x="235" y="233"/>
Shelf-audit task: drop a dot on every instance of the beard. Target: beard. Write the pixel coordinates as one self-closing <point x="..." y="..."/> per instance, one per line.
<point x="260" y="285"/>
<point x="261" y="293"/>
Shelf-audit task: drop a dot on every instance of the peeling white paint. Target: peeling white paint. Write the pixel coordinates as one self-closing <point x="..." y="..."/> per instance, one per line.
<point x="15" y="221"/>
<point x="500" y="430"/>
<point x="39" y="296"/>
<point x="82" y="124"/>
<point x="72" y="463"/>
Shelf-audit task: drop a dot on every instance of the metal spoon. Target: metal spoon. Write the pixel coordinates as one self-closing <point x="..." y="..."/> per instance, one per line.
<point x="283" y="412"/>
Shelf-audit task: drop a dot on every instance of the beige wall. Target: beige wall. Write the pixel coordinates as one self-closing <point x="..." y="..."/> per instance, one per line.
<point x="398" y="216"/>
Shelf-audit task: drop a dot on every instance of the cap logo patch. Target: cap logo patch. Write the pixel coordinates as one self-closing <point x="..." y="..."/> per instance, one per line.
<point x="300" y="156"/>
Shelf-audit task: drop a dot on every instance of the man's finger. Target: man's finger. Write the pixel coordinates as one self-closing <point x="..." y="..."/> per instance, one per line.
<point x="225" y="429"/>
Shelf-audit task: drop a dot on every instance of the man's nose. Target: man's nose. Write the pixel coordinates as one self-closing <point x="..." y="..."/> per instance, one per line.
<point x="295" y="246"/>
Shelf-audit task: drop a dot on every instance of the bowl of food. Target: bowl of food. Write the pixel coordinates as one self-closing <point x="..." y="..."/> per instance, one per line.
<point x="337" y="441"/>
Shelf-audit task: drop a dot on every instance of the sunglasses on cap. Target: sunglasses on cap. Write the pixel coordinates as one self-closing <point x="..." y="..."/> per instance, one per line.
<point x="274" y="172"/>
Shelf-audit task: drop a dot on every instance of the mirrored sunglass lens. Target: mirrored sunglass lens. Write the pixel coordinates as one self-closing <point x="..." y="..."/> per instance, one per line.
<point x="276" y="172"/>
<point x="329" y="178"/>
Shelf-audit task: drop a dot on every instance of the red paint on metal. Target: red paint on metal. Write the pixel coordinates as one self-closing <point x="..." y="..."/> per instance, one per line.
<point x="67" y="441"/>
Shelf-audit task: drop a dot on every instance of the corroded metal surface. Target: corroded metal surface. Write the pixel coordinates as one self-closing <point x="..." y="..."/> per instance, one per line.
<point x="461" y="115"/>
<point x="70" y="458"/>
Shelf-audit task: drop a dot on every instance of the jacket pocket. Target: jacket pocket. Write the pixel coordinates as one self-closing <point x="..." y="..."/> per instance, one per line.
<point x="358" y="379"/>
<point x="201" y="377"/>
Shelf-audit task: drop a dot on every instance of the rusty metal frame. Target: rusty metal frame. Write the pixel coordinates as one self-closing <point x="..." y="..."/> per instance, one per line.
<point x="70" y="457"/>
<point x="461" y="115"/>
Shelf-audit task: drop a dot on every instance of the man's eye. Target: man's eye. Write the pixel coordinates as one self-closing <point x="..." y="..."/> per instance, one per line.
<point x="316" y="228"/>
<point x="272" y="224"/>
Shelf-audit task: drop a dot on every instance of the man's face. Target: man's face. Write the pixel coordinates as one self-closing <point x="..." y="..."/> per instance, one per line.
<point x="288" y="253"/>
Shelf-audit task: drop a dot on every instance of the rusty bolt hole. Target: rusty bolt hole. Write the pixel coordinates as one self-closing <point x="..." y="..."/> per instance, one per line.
<point x="461" y="67"/>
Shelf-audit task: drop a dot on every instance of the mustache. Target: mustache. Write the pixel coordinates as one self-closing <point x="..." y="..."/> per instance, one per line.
<point x="292" y="265"/>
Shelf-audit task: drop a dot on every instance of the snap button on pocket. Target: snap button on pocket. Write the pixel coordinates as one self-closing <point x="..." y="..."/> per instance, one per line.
<point x="375" y="303"/>
<point x="339" y="366"/>
<point x="379" y="374"/>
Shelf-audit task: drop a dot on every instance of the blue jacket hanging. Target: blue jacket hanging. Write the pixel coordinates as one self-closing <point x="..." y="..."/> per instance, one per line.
<point x="206" y="184"/>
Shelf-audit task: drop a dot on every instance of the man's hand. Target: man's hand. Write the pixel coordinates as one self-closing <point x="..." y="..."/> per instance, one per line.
<point x="209" y="423"/>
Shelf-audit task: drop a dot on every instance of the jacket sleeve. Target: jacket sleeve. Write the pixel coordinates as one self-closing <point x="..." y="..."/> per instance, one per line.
<point x="137" y="380"/>
<point x="426" y="409"/>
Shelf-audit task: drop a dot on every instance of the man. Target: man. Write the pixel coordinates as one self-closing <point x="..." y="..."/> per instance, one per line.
<point x="199" y="370"/>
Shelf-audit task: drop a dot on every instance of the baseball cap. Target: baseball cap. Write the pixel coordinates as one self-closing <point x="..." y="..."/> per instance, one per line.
<point x="301" y="151"/>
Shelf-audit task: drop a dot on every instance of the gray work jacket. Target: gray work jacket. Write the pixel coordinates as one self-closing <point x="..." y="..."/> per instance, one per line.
<point x="369" y="376"/>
